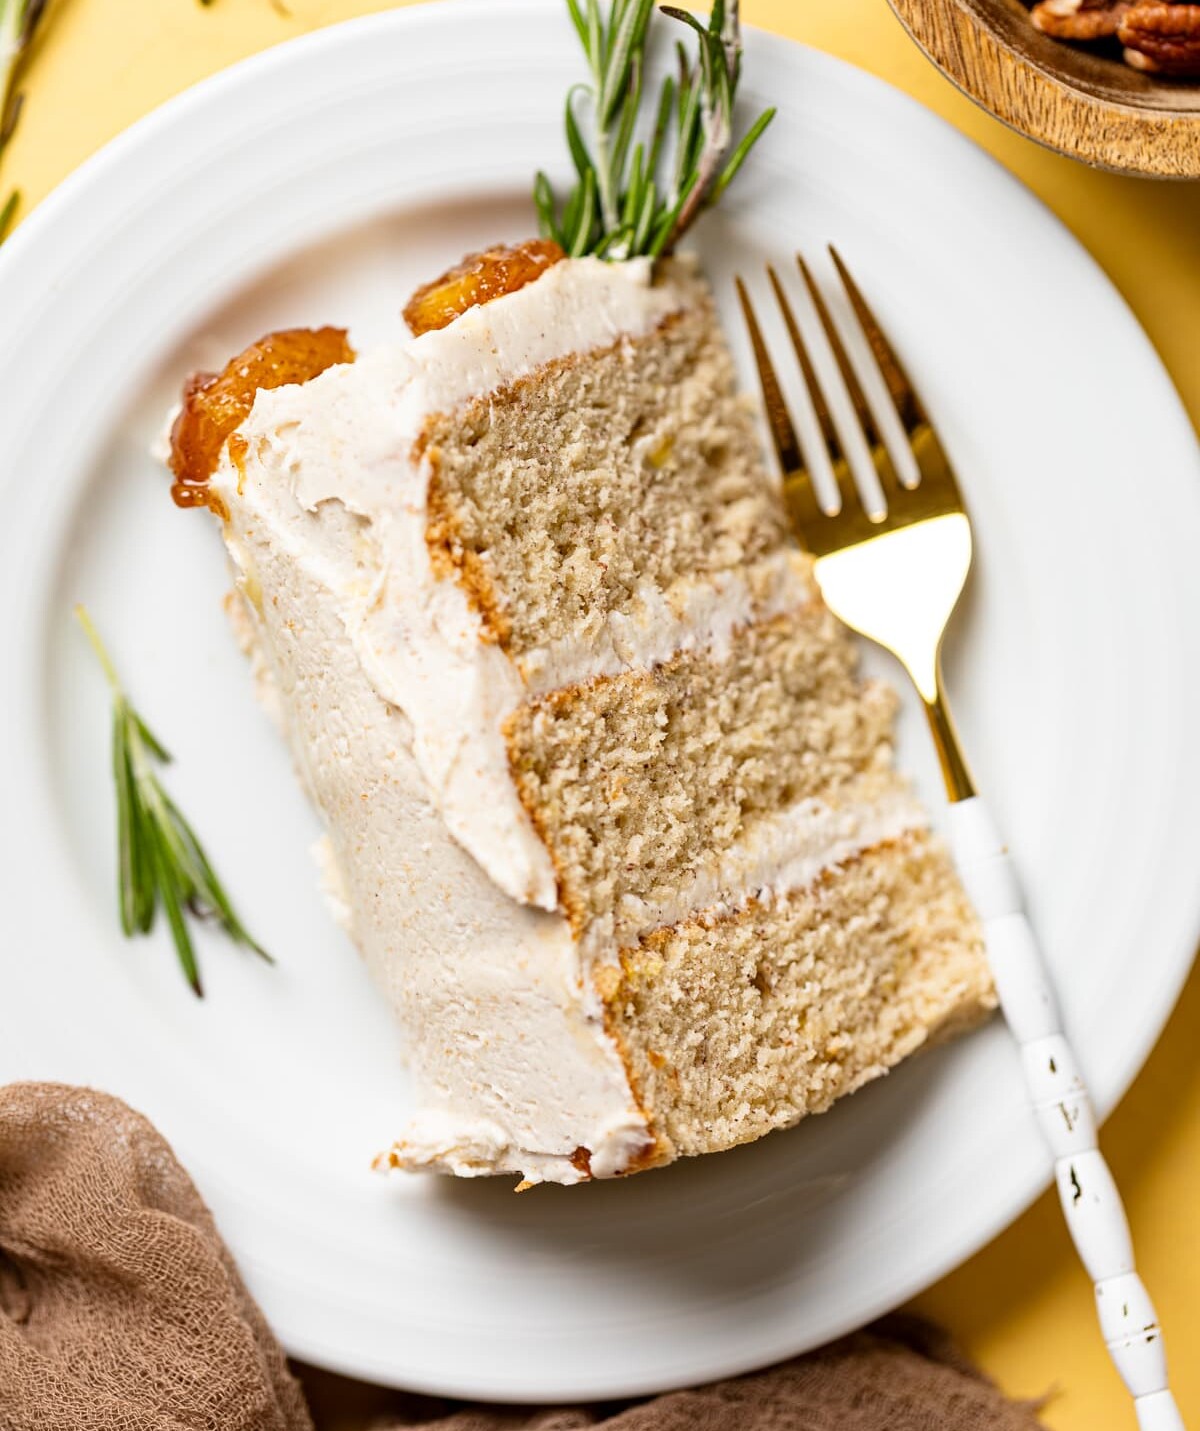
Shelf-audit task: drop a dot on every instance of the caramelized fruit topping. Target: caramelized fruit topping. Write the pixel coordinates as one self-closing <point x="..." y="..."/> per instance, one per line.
<point x="479" y="278"/>
<point x="214" y="404"/>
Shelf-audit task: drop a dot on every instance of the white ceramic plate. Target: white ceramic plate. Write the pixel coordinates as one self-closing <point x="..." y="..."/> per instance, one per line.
<point x="319" y="183"/>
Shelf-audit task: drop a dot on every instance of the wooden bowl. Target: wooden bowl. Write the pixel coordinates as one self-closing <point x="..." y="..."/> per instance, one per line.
<point x="1089" y="105"/>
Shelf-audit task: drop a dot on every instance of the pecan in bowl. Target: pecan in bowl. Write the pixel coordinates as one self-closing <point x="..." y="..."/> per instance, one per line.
<point x="1080" y="20"/>
<point x="1162" y="38"/>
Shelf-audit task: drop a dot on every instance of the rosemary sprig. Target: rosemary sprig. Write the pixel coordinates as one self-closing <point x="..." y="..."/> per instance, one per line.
<point x="628" y="200"/>
<point x="159" y="857"/>
<point x="19" y="22"/>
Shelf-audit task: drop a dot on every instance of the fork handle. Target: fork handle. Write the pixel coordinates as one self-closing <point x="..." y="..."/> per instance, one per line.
<point x="1089" y="1196"/>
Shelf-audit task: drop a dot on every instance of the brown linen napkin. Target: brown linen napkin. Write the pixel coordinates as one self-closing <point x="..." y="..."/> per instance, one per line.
<point x="122" y="1310"/>
<point x="899" y="1375"/>
<point x="120" y="1306"/>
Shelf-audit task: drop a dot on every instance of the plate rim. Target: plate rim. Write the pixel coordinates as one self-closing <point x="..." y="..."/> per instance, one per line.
<point x="77" y="187"/>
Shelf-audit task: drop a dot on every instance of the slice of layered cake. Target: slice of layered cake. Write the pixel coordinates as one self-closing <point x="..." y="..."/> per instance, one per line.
<point x="609" y="812"/>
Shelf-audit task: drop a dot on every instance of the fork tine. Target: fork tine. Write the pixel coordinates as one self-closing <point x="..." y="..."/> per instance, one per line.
<point x="866" y="418"/>
<point x="845" y="367"/>
<point x="923" y="440"/>
<point x="782" y="431"/>
<point x="899" y="385"/>
<point x="842" y="475"/>
<point x="811" y="382"/>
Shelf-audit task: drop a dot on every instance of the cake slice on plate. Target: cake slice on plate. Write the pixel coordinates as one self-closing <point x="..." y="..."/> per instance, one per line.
<point x="609" y="811"/>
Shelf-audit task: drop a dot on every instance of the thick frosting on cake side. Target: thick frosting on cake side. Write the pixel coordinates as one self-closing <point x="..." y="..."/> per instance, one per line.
<point x="395" y="697"/>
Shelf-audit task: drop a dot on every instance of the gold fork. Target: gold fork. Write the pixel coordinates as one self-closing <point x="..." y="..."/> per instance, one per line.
<point x="895" y="576"/>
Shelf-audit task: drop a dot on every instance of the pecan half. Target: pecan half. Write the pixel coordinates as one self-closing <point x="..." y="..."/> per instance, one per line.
<point x="1081" y="20"/>
<point x="1162" y="38"/>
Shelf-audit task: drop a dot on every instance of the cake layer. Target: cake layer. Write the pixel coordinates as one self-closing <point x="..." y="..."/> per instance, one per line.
<point x="560" y="498"/>
<point x="654" y="783"/>
<point x="733" y="1025"/>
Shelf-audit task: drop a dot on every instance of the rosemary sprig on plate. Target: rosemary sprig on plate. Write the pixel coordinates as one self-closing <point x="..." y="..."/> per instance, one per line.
<point x="19" y="23"/>
<point x="160" y="859"/>
<point x="639" y="196"/>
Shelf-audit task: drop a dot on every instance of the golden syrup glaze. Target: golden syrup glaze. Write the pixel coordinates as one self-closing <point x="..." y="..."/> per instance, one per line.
<point x="479" y="278"/>
<point x="216" y="404"/>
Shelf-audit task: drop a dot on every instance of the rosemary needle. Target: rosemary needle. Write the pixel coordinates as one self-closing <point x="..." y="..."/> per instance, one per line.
<point x="636" y="196"/>
<point x="7" y="212"/>
<point x="160" y="860"/>
<point x="19" y="22"/>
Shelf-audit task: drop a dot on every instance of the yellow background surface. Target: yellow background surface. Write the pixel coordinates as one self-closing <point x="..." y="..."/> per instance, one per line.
<point x="1023" y="1306"/>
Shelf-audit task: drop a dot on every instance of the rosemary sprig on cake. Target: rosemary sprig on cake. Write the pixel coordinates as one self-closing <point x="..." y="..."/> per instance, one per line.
<point x="160" y="859"/>
<point x="19" y="24"/>
<point x="639" y="196"/>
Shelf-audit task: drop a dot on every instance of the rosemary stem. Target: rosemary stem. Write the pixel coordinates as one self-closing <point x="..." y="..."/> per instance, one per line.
<point x="7" y="213"/>
<point x="608" y="205"/>
<point x="10" y="32"/>
<point x="632" y="195"/>
<point x="106" y="665"/>
<point x="604" y="177"/>
<point x="707" y="168"/>
<point x="731" y="37"/>
<point x="143" y="774"/>
<point x="11" y="28"/>
<point x="161" y="864"/>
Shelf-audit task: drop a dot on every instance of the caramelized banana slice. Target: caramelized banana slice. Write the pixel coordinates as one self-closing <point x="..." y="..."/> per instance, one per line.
<point x="215" y="404"/>
<point x="479" y="278"/>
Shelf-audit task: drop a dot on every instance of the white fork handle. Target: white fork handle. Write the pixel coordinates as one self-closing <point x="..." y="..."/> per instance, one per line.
<point x="1089" y="1196"/>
